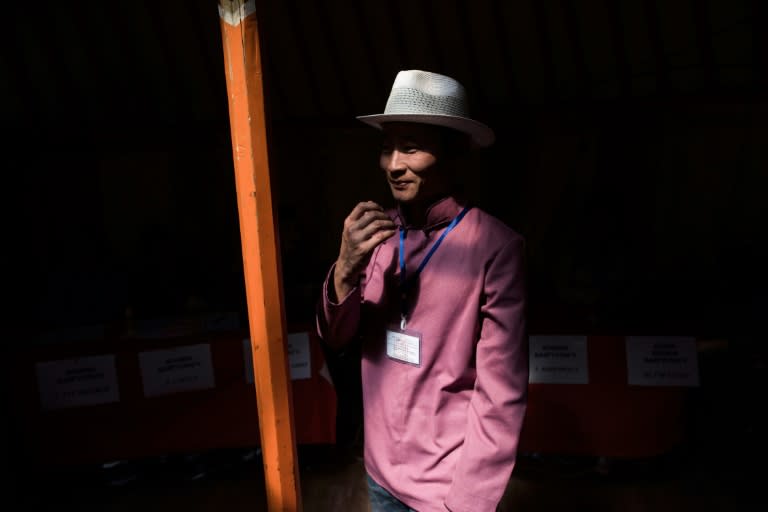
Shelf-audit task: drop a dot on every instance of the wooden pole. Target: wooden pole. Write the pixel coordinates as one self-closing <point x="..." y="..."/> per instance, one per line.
<point x="242" y="63"/>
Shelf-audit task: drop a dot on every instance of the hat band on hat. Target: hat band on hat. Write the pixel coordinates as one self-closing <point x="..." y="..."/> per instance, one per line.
<point x="413" y="101"/>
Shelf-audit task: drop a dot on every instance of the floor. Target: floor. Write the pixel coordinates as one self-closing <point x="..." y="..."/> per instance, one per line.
<point x="718" y="467"/>
<point x="333" y="481"/>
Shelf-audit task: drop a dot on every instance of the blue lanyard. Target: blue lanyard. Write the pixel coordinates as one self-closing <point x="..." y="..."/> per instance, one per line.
<point x="403" y="278"/>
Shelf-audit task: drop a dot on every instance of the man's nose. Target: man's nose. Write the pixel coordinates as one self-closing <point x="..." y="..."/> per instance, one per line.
<point x="395" y="162"/>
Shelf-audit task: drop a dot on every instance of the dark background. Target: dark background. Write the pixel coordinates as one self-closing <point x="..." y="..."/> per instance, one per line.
<point x="630" y="153"/>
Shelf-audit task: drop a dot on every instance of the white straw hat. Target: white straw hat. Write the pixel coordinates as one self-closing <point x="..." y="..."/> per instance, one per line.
<point x="430" y="98"/>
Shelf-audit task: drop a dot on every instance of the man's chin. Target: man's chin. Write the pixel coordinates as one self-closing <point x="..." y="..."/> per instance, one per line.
<point x="403" y="196"/>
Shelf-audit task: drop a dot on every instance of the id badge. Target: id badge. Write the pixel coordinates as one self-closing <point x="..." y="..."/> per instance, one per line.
<point x="404" y="346"/>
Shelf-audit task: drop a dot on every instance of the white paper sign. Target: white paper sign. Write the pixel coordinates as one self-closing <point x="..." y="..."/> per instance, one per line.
<point x="77" y="382"/>
<point x="558" y="360"/>
<point x="662" y="361"/>
<point x="299" y="357"/>
<point x="187" y="368"/>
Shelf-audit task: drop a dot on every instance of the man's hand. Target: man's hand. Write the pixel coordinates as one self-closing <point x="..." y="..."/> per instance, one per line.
<point x="365" y="228"/>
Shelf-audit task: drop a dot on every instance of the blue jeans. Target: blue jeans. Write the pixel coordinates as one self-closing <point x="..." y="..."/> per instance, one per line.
<point x="382" y="501"/>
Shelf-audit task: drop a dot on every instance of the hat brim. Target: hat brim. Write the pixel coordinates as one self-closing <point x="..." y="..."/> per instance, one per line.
<point x="481" y="135"/>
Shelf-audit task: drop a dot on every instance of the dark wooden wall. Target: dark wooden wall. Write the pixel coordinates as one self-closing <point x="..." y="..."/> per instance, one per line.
<point x="630" y="152"/>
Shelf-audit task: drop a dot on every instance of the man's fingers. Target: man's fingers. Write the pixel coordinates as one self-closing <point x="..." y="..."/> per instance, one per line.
<point x="366" y="223"/>
<point x="361" y="208"/>
<point x="371" y="220"/>
<point x="359" y="241"/>
<point x="365" y="228"/>
<point x="379" y="224"/>
<point x="367" y="246"/>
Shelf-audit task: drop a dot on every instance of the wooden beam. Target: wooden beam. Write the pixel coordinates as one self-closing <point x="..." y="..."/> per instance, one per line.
<point x="619" y="43"/>
<point x="547" y="53"/>
<point x="653" y="21"/>
<point x="705" y="43"/>
<point x="758" y="21"/>
<point x="261" y="262"/>
<point x="573" y="31"/>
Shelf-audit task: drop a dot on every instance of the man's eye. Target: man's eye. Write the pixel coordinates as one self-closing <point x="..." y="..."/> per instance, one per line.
<point x="411" y="148"/>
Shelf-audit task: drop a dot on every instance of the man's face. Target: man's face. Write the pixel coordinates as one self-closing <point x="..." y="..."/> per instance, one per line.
<point x="410" y="154"/>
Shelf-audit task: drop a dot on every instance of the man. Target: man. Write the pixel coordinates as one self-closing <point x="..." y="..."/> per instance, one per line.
<point x="433" y="290"/>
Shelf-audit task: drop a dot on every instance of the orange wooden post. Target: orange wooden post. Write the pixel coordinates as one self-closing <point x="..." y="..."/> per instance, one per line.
<point x="242" y="62"/>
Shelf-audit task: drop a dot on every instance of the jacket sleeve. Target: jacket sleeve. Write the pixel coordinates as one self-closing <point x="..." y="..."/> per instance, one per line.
<point x="498" y="403"/>
<point x="337" y="322"/>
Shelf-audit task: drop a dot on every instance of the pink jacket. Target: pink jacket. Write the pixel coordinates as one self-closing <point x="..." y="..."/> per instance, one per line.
<point x="444" y="433"/>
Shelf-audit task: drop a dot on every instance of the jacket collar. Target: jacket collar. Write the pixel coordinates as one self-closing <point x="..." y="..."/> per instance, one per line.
<point x="439" y="213"/>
